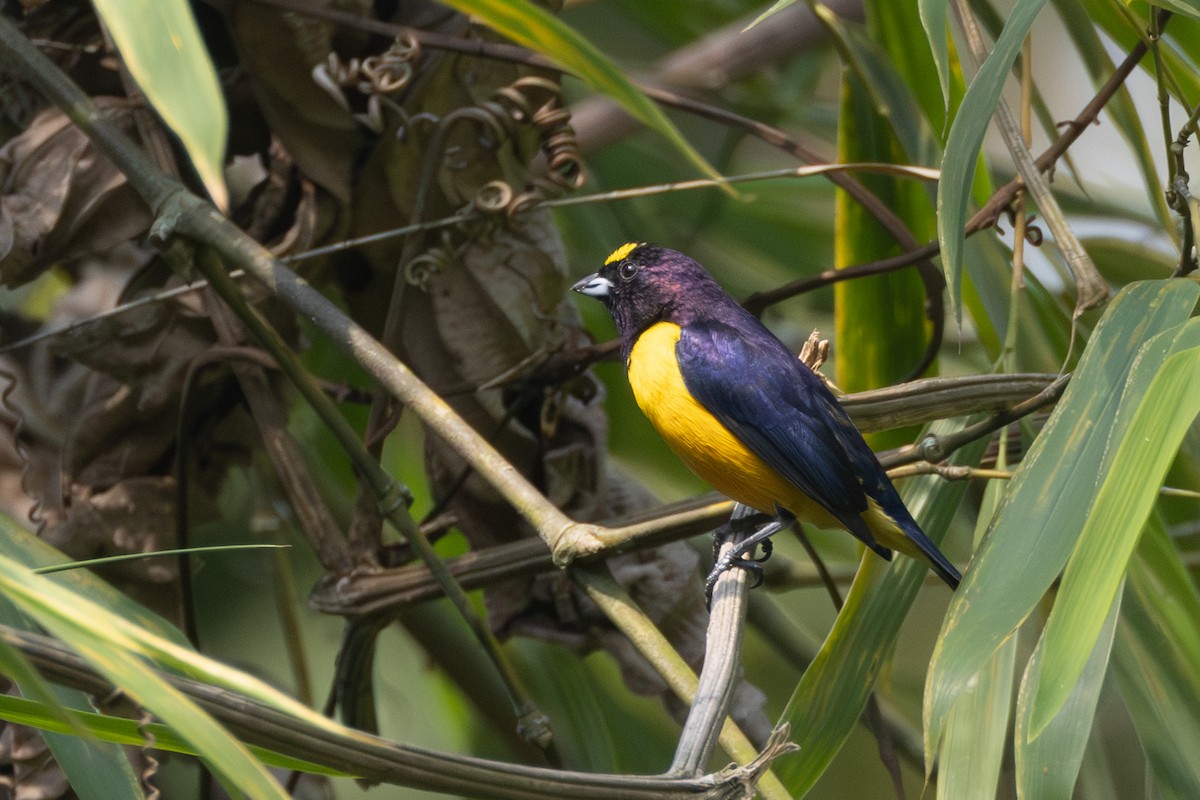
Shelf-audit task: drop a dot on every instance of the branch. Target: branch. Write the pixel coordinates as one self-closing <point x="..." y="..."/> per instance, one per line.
<point x="898" y="406"/>
<point x="371" y="757"/>
<point x="177" y="211"/>
<point x="986" y="216"/>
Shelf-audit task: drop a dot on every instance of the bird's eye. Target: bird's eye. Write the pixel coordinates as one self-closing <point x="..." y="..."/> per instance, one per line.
<point x="628" y="270"/>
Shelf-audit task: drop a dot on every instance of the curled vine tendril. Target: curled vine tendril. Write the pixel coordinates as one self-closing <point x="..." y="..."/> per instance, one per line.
<point x="378" y="78"/>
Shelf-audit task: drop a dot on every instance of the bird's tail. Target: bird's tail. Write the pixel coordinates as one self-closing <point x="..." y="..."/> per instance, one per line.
<point x="900" y="531"/>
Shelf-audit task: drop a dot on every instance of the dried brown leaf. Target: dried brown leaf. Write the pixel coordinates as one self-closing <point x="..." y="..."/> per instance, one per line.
<point x="59" y="199"/>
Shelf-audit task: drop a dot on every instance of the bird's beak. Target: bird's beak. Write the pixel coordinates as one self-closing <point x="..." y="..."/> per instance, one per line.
<point x="594" y="286"/>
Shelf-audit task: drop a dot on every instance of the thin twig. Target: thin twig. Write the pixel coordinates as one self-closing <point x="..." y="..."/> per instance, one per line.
<point x="1092" y="289"/>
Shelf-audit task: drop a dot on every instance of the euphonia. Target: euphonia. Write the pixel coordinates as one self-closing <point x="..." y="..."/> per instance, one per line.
<point x="741" y="410"/>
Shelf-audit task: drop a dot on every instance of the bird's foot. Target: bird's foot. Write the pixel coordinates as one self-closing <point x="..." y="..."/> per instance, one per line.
<point x="742" y="554"/>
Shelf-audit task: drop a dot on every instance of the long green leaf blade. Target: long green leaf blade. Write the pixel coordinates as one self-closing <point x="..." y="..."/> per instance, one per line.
<point x="539" y="30"/>
<point x="122" y="731"/>
<point x="966" y="138"/>
<point x="933" y="15"/>
<point x="973" y="748"/>
<point x="1097" y="567"/>
<point x="93" y="633"/>
<point x="162" y="48"/>
<point x="834" y="689"/>
<point x="977" y="729"/>
<point x="1048" y="764"/>
<point x="1156" y="660"/>
<point x="1036" y="525"/>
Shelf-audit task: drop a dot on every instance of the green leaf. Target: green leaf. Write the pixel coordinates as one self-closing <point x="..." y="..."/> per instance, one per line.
<point x="1050" y="495"/>
<point x="162" y="49"/>
<point x="1189" y="7"/>
<point x="1097" y="567"/>
<point x="779" y="5"/>
<point x="892" y="99"/>
<point x="966" y="138"/>
<point x="834" y="689"/>
<point x="880" y="321"/>
<point x="1048" y="763"/>
<point x="103" y="640"/>
<point x="539" y="30"/>
<point x="933" y="20"/>
<point x="122" y="731"/>
<point x="977" y="729"/>
<point x="23" y="546"/>
<point x="1156" y="659"/>
<point x="95" y="770"/>
<point x="146" y="633"/>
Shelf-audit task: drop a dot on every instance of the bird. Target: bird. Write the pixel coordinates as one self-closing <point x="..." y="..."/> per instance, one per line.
<point x="742" y="411"/>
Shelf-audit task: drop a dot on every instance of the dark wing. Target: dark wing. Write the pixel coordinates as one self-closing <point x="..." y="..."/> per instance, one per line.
<point x="784" y="414"/>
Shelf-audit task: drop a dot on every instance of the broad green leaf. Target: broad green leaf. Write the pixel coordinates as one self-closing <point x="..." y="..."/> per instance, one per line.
<point x="122" y="731"/>
<point x="533" y="27"/>
<point x="1048" y="764"/>
<point x="102" y="639"/>
<point x="1157" y="663"/>
<point x="1162" y="597"/>
<point x="1050" y="495"/>
<point x="966" y="138"/>
<point x="154" y="637"/>
<point x="897" y="29"/>
<point x="162" y="48"/>
<point x="1097" y="567"/>
<point x="834" y="689"/>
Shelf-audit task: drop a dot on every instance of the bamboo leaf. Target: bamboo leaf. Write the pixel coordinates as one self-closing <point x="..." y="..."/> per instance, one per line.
<point x="778" y="6"/>
<point x="1097" y="567"/>
<point x="834" y="689"/>
<point x="97" y="636"/>
<point x="121" y="731"/>
<point x="977" y="729"/>
<point x="1035" y="528"/>
<point x="1048" y="763"/>
<point x="966" y="139"/>
<point x="23" y="546"/>
<point x="162" y="48"/>
<point x="1189" y="7"/>
<point x="894" y="303"/>
<point x="1156" y="659"/>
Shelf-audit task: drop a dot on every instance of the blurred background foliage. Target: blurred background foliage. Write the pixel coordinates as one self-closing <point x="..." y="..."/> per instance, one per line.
<point x="853" y="81"/>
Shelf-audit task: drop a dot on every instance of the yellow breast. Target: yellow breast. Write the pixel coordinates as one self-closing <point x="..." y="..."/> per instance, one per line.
<point x="704" y="444"/>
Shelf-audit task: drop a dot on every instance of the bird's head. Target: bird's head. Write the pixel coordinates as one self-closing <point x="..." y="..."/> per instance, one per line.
<point x="642" y="284"/>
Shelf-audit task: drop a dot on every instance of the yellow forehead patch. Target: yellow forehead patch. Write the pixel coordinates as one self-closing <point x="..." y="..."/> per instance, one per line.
<point x="622" y="251"/>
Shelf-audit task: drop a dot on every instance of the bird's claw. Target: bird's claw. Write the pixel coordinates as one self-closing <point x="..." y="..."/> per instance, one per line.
<point x="744" y="521"/>
<point x="727" y="562"/>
